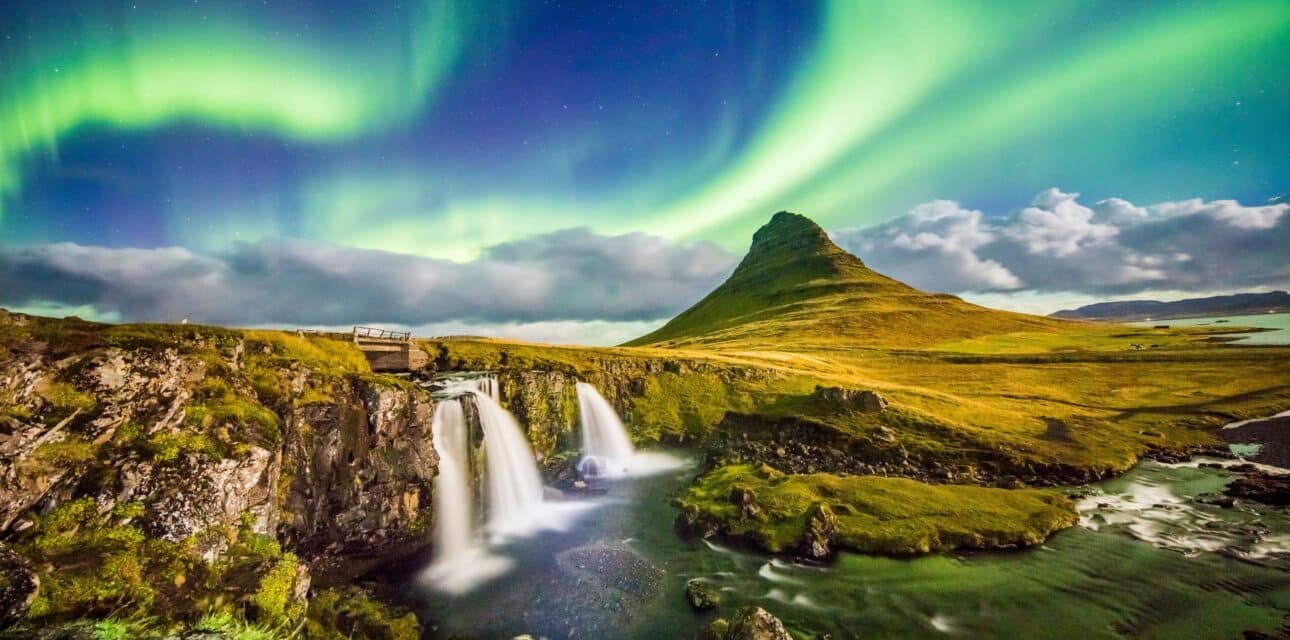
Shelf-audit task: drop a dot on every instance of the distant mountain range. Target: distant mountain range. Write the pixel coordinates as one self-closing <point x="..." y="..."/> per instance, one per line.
<point x="1232" y="305"/>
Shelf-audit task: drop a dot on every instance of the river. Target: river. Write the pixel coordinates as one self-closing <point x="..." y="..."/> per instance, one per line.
<point x="1146" y="561"/>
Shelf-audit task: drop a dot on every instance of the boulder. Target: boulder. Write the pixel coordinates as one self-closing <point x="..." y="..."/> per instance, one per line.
<point x="821" y="528"/>
<point x="756" y="623"/>
<point x="745" y="500"/>
<point x="851" y="399"/>
<point x="701" y="596"/>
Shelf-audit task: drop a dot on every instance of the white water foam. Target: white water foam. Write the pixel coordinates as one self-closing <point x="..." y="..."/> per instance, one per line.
<point x="1241" y="423"/>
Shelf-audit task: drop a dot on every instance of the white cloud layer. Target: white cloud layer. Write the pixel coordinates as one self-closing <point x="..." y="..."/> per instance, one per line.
<point x="1059" y="245"/>
<point x="574" y="286"/>
<point x="557" y="285"/>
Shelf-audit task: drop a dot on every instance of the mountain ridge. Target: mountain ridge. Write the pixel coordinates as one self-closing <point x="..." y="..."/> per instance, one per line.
<point x="1232" y="304"/>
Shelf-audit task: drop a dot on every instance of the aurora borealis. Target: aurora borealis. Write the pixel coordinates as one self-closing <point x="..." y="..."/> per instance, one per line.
<point x="457" y="131"/>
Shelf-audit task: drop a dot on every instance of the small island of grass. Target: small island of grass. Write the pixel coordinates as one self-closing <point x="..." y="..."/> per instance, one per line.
<point x="814" y="514"/>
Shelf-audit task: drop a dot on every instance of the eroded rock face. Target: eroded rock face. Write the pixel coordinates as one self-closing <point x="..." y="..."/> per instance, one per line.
<point x="139" y="387"/>
<point x="361" y="472"/>
<point x="807" y="445"/>
<point x="197" y="493"/>
<point x="202" y="438"/>
<point x="546" y="403"/>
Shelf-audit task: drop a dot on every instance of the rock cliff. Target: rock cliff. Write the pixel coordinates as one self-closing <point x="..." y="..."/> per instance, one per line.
<point x="255" y="464"/>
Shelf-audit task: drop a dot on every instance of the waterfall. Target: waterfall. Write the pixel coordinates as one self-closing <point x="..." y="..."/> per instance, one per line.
<point x="606" y="449"/>
<point x="488" y="386"/>
<point x="514" y="485"/>
<point x="461" y="561"/>
<point x="453" y="519"/>
<point x="513" y="500"/>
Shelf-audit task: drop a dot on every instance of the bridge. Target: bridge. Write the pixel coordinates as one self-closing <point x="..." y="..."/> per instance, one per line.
<point x="389" y="351"/>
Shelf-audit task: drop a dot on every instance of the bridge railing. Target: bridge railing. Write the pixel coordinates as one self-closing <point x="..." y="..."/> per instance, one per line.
<point x="373" y="333"/>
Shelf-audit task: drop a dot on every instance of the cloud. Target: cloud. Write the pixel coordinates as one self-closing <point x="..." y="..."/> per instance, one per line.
<point x="936" y="241"/>
<point x="569" y="277"/>
<point x="1058" y="244"/>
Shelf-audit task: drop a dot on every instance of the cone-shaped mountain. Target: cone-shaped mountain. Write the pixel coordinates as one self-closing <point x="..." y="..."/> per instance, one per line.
<point x="796" y="287"/>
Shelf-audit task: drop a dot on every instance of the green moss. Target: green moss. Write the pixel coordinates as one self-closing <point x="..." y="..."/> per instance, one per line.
<point x="874" y="514"/>
<point x="164" y="447"/>
<point x="11" y="409"/>
<point x="264" y="424"/>
<point x="100" y="566"/>
<point x="128" y="434"/>
<point x="351" y="612"/>
<point x="91" y="563"/>
<point x="113" y="630"/>
<point x="65" y="398"/>
<point x="231" y="627"/>
<point x="321" y="354"/>
<point x="273" y="599"/>
<point x="128" y="510"/>
<point x="268" y="382"/>
<point x="72" y="450"/>
<point x="313" y="395"/>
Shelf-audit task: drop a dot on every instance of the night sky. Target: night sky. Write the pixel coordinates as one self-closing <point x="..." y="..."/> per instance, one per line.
<point x="580" y="171"/>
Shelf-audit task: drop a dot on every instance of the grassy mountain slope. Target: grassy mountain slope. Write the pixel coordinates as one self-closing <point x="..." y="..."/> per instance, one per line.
<point x="795" y="288"/>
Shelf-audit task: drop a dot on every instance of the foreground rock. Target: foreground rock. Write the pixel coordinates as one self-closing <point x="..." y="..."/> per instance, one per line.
<point x="749" y="623"/>
<point x="814" y="515"/>
<point x="700" y="596"/>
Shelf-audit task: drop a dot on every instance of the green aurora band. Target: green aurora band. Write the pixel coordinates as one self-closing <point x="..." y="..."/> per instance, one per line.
<point x="894" y="103"/>
<point x="228" y="75"/>
<point x="853" y="125"/>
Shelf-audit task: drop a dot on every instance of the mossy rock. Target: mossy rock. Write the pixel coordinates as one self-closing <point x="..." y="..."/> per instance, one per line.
<point x="700" y="596"/>
<point x="812" y="513"/>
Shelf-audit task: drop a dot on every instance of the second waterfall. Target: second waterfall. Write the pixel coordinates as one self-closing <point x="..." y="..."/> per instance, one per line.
<point x="513" y="482"/>
<point x="606" y="449"/>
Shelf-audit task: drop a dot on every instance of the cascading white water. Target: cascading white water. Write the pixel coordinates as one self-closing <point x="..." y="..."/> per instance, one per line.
<point x="606" y="449"/>
<point x="453" y="518"/>
<point x="489" y="387"/>
<point x="513" y="497"/>
<point x="514" y="485"/>
<point x="461" y="560"/>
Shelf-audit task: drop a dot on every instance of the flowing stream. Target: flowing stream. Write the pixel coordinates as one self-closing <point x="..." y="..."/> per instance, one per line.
<point x="1148" y="560"/>
<point x="1102" y="581"/>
